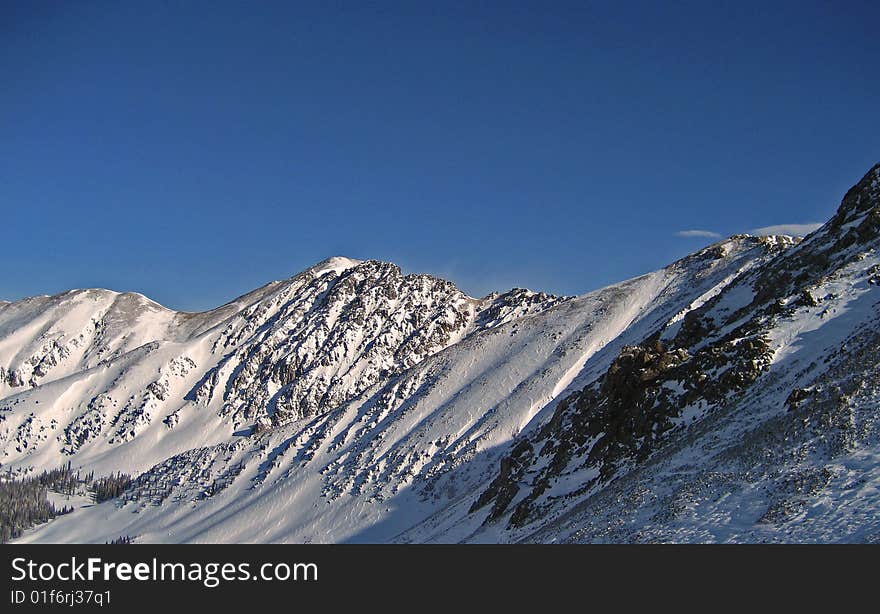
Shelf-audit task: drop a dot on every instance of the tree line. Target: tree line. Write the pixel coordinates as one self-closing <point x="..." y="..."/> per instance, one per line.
<point x="24" y="500"/>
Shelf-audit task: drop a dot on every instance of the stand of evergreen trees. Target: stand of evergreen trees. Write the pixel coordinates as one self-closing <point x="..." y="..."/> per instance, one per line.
<point x="110" y="487"/>
<point x="24" y="502"/>
<point x="122" y="539"/>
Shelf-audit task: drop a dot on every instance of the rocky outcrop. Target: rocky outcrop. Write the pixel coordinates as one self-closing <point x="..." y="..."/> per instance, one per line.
<point x="686" y="369"/>
<point x="333" y="338"/>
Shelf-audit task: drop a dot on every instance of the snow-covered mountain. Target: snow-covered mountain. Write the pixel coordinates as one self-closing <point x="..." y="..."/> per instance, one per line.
<point x="731" y="396"/>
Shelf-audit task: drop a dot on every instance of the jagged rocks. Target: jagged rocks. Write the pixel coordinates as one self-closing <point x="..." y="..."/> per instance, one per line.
<point x="336" y="337"/>
<point x="722" y="348"/>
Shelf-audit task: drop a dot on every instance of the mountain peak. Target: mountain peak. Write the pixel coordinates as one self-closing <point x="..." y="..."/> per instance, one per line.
<point x="334" y="263"/>
<point x="860" y="198"/>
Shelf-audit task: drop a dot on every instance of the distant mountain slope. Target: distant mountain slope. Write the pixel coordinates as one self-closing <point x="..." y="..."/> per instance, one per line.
<point x="97" y="369"/>
<point x="729" y="396"/>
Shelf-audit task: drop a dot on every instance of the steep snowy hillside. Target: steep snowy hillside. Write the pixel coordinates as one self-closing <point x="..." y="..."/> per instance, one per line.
<point x="420" y="437"/>
<point x="729" y="396"/>
<point x="117" y="381"/>
<point x="753" y="417"/>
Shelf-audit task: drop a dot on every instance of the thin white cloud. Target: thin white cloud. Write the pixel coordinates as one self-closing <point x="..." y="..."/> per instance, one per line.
<point x="705" y="234"/>
<point x="795" y="230"/>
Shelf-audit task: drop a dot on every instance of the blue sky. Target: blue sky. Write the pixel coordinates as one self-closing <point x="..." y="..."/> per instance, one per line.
<point x="195" y="152"/>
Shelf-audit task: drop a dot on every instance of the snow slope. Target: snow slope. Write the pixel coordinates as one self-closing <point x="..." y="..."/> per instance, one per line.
<point x="730" y="396"/>
<point x="419" y="438"/>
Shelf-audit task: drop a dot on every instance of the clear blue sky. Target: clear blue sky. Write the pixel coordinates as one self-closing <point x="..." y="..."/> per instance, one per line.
<point x="195" y="152"/>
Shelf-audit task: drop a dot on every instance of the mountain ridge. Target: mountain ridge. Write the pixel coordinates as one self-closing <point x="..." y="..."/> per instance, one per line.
<point x="331" y="259"/>
<point x="354" y="403"/>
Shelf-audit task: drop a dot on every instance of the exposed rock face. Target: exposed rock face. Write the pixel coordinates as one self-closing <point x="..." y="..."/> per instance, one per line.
<point x="497" y="309"/>
<point x="330" y="337"/>
<point x="687" y="369"/>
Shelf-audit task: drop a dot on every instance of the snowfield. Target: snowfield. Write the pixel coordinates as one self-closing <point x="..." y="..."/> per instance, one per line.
<point x="731" y="396"/>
